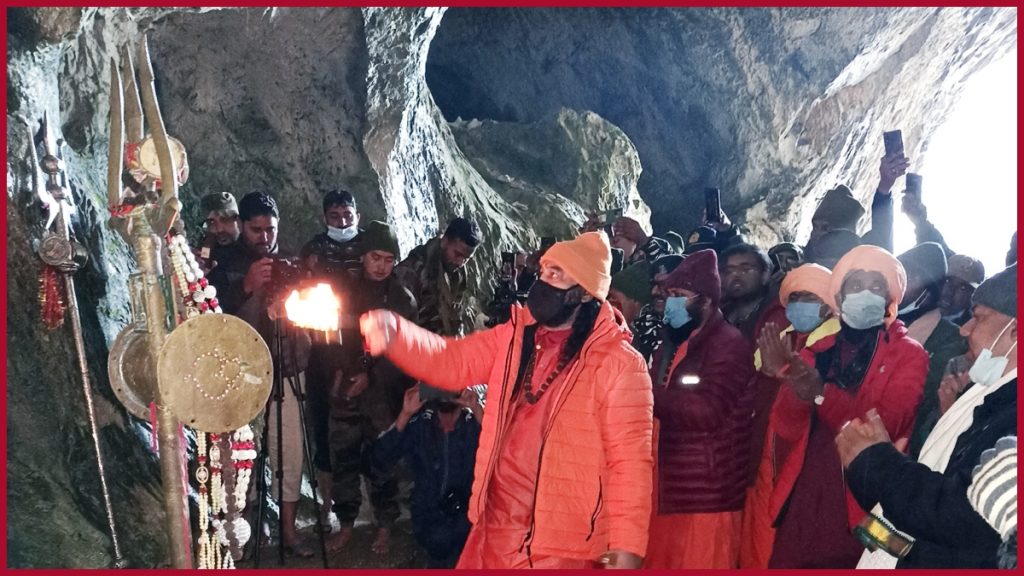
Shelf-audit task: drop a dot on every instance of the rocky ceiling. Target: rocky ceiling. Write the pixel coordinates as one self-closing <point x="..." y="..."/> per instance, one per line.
<point x="771" y="105"/>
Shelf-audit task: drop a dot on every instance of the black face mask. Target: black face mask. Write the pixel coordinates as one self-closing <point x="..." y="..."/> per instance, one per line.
<point x="551" y="306"/>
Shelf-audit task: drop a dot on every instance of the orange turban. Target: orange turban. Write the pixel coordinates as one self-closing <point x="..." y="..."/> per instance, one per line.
<point x="809" y="278"/>
<point x="587" y="258"/>
<point x="873" y="259"/>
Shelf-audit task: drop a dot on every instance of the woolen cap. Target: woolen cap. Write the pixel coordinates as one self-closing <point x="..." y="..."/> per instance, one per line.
<point x="698" y="273"/>
<point x="966" y="268"/>
<point x="587" y="258"/>
<point x="999" y="292"/>
<point x="928" y="260"/>
<point x="219" y="202"/>
<point x="839" y="208"/>
<point x="634" y="282"/>
<point x="378" y="236"/>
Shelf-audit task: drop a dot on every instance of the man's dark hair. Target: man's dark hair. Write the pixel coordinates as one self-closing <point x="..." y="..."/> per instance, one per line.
<point x="256" y="204"/>
<point x="338" y="198"/>
<point x="465" y="230"/>
<point x="741" y="249"/>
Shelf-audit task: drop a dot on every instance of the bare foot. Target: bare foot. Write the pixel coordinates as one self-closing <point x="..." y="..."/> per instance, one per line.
<point x="338" y="540"/>
<point x="382" y="545"/>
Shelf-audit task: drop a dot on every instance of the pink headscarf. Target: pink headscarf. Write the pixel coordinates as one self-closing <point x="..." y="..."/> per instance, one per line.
<point x="873" y="259"/>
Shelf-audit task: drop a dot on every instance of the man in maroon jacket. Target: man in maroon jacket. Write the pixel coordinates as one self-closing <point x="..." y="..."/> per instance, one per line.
<point x="702" y="400"/>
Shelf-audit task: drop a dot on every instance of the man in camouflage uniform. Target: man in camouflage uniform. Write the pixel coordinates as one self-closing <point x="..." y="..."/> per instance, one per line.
<point x="332" y="256"/>
<point x="366" y="393"/>
<point x="435" y="273"/>
<point x="647" y="327"/>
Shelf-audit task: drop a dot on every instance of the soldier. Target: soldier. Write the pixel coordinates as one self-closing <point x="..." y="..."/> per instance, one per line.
<point x="332" y="256"/>
<point x="366" y="394"/>
<point x="435" y="273"/>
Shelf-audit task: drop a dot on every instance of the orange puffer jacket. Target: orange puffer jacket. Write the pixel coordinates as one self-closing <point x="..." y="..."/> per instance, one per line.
<point x="593" y="489"/>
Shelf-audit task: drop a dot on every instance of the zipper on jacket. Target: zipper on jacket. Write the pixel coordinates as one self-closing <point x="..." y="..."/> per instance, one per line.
<point x="528" y="540"/>
<point x="444" y="477"/>
<point x="597" y="507"/>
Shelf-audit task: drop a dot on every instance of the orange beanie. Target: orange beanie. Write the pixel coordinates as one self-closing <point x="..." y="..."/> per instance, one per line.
<point x="587" y="258"/>
<point x="808" y="278"/>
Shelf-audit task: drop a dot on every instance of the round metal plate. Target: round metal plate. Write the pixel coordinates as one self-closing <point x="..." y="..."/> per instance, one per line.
<point x="214" y="372"/>
<point x="149" y="161"/>
<point x="131" y="372"/>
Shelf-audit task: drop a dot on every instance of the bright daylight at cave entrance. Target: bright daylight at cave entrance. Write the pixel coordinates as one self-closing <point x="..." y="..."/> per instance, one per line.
<point x="659" y="288"/>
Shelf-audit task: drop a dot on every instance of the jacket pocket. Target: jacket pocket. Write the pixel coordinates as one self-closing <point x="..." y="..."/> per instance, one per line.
<point x="597" y="507"/>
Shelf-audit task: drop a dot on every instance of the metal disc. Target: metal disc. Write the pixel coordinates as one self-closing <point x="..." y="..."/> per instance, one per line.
<point x="148" y="161"/>
<point x="131" y="372"/>
<point x="214" y="372"/>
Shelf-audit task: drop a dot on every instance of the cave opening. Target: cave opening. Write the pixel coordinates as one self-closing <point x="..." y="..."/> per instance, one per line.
<point x="970" y="170"/>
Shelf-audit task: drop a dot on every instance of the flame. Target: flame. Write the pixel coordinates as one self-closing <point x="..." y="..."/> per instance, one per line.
<point x="315" y="308"/>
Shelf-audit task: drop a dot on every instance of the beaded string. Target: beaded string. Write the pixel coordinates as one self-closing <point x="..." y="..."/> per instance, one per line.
<point x="528" y="392"/>
<point x="198" y="295"/>
<point x="202" y="475"/>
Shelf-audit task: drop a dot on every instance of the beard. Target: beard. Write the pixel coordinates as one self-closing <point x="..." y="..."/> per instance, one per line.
<point x="681" y="334"/>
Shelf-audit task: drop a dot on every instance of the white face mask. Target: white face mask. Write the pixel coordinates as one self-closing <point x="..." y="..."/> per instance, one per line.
<point x="913" y="306"/>
<point x="987" y="370"/>
<point x="342" y="234"/>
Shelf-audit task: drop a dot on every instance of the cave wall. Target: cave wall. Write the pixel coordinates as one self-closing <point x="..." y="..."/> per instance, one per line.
<point x="774" y="106"/>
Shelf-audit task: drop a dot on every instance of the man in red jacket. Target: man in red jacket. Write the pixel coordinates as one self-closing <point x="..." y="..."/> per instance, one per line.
<point x="702" y="400"/>
<point x="563" y="470"/>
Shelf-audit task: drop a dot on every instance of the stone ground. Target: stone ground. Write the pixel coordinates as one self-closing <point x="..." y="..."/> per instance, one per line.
<point x="405" y="552"/>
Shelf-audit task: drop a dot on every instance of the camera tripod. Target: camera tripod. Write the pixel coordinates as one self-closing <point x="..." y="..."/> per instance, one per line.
<point x="276" y="401"/>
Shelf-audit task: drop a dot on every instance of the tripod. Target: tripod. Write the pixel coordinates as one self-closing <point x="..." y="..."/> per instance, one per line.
<point x="277" y="397"/>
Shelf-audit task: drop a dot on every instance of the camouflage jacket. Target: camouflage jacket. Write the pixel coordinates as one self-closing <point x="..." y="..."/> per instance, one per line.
<point x="329" y="259"/>
<point x="653" y="249"/>
<point x="647" y="332"/>
<point x="445" y="306"/>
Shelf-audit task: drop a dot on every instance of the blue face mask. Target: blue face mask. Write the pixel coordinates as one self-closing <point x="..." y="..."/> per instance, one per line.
<point x="863" y="310"/>
<point x="804" y="316"/>
<point x="676" y="314"/>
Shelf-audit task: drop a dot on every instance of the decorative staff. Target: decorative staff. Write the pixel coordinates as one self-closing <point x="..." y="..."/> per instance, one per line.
<point x="213" y="371"/>
<point x="62" y="256"/>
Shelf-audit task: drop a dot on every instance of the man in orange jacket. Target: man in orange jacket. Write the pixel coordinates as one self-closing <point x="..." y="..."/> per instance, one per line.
<point x="564" y="466"/>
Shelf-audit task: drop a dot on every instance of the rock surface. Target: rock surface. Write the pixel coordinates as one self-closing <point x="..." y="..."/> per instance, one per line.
<point x="776" y="105"/>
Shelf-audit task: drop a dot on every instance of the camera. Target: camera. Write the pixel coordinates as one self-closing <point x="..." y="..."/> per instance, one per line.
<point x="509" y="288"/>
<point x="285" y="273"/>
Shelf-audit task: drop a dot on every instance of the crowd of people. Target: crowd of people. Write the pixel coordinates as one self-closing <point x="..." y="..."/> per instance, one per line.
<point x="633" y="401"/>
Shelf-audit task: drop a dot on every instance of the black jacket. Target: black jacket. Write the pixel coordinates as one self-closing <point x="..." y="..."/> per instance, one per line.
<point x="931" y="506"/>
<point x="442" y="467"/>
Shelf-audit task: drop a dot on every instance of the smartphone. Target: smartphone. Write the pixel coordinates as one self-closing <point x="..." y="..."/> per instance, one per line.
<point x="617" y="257"/>
<point x="893" y="142"/>
<point x="610" y="216"/>
<point x="508" y="265"/>
<point x="428" y="393"/>
<point x="914" y="184"/>
<point x="713" y="204"/>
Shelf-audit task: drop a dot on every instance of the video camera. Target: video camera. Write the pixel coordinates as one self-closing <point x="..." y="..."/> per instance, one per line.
<point x="507" y="291"/>
<point x="285" y="273"/>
